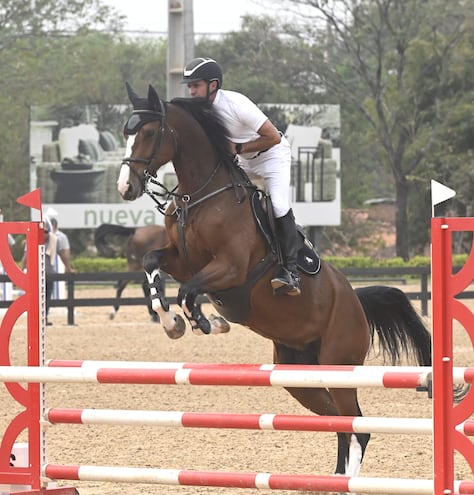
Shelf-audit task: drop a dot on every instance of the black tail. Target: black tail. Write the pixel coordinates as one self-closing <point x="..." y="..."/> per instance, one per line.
<point x="108" y="229"/>
<point x="400" y="329"/>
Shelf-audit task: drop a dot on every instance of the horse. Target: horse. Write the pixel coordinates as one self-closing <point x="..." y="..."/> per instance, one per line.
<point x="139" y="240"/>
<point x="219" y="246"/>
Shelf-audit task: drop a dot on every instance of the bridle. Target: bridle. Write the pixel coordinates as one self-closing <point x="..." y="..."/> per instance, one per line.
<point x="132" y="126"/>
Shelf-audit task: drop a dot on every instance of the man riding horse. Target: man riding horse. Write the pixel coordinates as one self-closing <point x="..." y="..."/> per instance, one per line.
<point x="261" y="149"/>
<point x="215" y="248"/>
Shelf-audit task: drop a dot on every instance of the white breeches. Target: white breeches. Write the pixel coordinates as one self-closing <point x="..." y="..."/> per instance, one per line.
<point x="274" y="167"/>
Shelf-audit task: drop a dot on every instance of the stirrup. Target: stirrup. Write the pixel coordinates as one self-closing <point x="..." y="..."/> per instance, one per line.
<point x="286" y="283"/>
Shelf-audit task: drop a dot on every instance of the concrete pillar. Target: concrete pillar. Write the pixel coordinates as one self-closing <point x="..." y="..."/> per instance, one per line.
<point x="180" y="44"/>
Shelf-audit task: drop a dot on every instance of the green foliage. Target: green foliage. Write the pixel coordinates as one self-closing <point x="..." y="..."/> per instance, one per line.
<point x="404" y="69"/>
<point x="369" y="262"/>
<point x="364" y="177"/>
<point x="65" y="72"/>
<point x="259" y="62"/>
<point x="93" y="265"/>
<point x="87" y="265"/>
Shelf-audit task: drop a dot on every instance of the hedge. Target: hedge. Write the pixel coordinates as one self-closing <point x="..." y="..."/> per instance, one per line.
<point x="89" y="265"/>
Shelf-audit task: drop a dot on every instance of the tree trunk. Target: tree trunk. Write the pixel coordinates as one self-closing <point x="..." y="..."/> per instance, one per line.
<point x="401" y="219"/>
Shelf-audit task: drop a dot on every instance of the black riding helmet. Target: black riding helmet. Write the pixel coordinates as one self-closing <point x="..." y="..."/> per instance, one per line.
<point x="202" y="69"/>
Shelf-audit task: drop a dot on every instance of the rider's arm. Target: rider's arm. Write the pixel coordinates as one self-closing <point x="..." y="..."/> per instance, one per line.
<point x="268" y="136"/>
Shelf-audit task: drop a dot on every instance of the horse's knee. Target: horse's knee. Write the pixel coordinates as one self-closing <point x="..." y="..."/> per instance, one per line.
<point x="150" y="261"/>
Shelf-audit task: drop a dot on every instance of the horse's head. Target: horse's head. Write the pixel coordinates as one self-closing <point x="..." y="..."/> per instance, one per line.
<point x="150" y="143"/>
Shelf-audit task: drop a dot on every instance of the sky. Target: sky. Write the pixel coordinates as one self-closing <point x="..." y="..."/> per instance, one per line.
<point x="210" y="16"/>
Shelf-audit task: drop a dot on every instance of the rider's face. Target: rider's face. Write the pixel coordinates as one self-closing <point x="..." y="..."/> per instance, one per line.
<point x="198" y="89"/>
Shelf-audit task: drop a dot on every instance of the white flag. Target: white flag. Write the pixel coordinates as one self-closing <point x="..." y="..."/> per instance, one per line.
<point x="440" y="193"/>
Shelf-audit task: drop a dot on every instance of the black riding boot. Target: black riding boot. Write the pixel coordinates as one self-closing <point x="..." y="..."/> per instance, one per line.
<point x="287" y="279"/>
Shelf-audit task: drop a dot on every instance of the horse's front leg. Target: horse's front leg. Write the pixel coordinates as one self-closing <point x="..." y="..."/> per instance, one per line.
<point x="187" y="300"/>
<point x="219" y="274"/>
<point x="200" y="324"/>
<point x="172" y="323"/>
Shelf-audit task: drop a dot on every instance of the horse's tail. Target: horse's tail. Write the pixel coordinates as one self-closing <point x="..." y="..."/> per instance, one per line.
<point x="105" y="230"/>
<point x="399" y="328"/>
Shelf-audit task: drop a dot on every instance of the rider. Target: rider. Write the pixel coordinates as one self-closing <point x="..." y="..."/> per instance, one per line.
<point x="261" y="149"/>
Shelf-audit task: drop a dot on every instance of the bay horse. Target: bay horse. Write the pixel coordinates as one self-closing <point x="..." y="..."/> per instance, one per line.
<point x="138" y="241"/>
<point x="216" y="246"/>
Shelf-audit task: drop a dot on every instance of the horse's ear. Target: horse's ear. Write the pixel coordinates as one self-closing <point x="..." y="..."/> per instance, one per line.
<point x="154" y="99"/>
<point x="132" y="96"/>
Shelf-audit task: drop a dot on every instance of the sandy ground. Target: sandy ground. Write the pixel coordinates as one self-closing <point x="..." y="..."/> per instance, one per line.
<point x="132" y="337"/>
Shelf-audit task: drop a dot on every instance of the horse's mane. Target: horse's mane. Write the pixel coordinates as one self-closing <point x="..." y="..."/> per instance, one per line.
<point x="216" y="131"/>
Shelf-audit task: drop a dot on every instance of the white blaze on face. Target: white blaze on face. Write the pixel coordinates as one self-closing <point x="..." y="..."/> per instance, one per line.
<point x="122" y="181"/>
<point x="129" y="144"/>
<point x="124" y="176"/>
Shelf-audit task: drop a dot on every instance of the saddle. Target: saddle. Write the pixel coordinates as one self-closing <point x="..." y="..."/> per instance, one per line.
<point x="234" y="303"/>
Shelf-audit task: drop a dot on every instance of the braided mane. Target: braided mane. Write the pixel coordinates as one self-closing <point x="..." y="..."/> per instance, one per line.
<point x="216" y="131"/>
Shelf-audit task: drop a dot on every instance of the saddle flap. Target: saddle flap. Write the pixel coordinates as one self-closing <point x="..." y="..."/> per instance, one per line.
<point x="308" y="260"/>
<point x="262" y="218"/>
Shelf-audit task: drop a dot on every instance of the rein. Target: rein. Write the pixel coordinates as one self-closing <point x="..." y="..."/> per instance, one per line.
<point x="181" y="212"/>
<point x="184" y="197"/>
<point x="187" y="198"/>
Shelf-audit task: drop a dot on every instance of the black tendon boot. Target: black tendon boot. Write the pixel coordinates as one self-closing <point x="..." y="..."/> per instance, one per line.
<point x="287" y="279"/>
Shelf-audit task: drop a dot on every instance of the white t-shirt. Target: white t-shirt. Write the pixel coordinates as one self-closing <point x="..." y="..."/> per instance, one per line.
<point x="243" y="119"/>
<point x="240" y="115"/>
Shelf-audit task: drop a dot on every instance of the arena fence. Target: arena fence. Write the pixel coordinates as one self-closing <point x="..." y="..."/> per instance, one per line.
<point x="76" y="298"/>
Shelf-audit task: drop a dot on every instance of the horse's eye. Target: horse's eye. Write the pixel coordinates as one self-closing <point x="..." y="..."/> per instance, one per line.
<point x="149" y="133"/>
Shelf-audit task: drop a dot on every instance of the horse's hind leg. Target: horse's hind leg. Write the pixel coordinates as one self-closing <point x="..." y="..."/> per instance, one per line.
<point x="355" y="443"/>
<point x="350" y="446"/>
<point x="121" y="284"/>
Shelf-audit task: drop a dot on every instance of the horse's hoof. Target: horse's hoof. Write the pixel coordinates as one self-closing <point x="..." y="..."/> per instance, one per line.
<point x="205" y="326"/>
<point x="219" y="324"/>
<point x="202" y="327"/>
<point x="178" y="329"/>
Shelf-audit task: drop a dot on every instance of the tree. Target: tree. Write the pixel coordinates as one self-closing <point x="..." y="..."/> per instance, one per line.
<point x="264" y="63"/>
<point x="20" y="19"/>
<point x="373" y="65"/>
<point x="450" y="159"/>
<point x="45" y="58"/>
